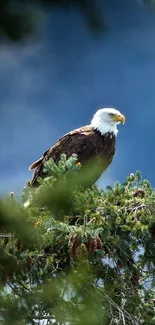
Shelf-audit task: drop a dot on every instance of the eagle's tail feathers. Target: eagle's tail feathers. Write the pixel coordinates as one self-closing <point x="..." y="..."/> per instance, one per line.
<point x="36" y="163"/>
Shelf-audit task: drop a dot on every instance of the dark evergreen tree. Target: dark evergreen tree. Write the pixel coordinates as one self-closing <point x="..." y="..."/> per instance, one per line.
<point x="19" y="18"/>
<point x="78" y="256"/>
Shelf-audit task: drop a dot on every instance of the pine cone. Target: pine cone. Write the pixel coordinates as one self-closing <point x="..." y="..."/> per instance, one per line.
<point x="75" y="239"/>
<point x="81" y="251"/>
<point x="84" y="249"/>
<point x="73" y="243"/>
<point x="99" y="242"/>
<point x="139" y="193"/>
<point x="78" y="252"/>
<point x="91" y="244"/>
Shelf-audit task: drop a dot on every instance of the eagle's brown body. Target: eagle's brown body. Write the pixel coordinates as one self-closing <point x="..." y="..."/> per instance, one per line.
<point x="87" y="143"/>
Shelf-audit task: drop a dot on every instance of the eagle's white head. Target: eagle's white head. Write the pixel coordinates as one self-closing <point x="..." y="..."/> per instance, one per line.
<point x="106" y="120"/>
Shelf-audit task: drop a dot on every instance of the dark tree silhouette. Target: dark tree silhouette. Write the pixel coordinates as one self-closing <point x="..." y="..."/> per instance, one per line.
<point x="18" y="18"/>
<point x="78" y="256"/>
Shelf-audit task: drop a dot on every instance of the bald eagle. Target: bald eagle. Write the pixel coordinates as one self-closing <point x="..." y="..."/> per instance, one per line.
<point x="95" y="141"/>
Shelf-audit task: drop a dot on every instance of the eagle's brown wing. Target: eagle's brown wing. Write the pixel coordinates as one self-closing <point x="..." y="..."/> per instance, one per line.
<point x="79" y="141"/>
<point x="87" y="143"/>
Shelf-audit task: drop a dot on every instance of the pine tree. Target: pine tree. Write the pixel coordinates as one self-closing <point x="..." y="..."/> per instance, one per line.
<point x="18" y="18"/>
<point x="78" y="255"/>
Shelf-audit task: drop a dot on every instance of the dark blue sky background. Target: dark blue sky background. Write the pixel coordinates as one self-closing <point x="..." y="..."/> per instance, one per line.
<point x="61" y="77"/>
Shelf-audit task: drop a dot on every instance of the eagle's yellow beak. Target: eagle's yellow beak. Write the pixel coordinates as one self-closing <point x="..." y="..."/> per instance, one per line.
<point x="119" y="118"/>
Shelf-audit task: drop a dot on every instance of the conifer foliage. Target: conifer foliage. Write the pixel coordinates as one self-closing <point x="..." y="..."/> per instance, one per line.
<point x="19" y="19"/>
<point x="77" y="255"/>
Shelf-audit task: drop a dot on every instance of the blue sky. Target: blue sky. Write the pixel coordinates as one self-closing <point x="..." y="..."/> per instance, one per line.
<point x="57" y="80"/>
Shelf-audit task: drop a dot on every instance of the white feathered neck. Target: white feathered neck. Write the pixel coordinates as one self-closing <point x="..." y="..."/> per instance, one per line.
<point x="103" y="122"/>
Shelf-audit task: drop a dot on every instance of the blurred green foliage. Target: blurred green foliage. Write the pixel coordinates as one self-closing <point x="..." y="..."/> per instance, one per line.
<point x="19" y="18"/>
<point x="77" y="255"/>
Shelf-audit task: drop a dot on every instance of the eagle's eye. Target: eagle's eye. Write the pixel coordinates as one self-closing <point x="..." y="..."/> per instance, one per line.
<point x="111" y="114"/>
